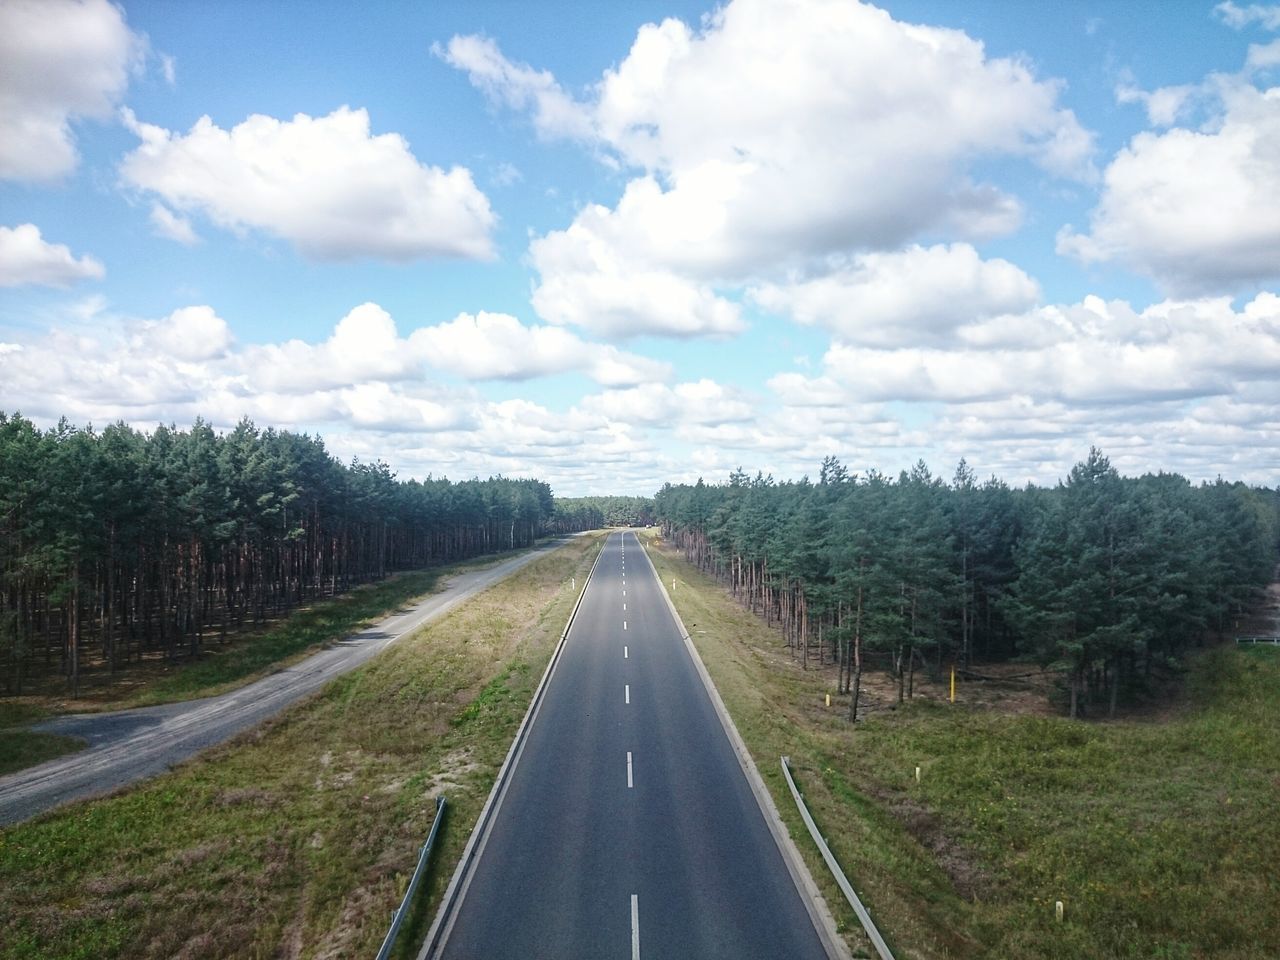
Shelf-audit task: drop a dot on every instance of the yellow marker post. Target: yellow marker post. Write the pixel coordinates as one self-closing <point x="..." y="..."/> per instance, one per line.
<point x="828" y="699"/>
<point x="953" y="683"/>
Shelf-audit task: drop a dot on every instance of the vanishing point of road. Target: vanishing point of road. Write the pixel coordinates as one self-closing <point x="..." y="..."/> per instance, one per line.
<point x="628" y="827"/>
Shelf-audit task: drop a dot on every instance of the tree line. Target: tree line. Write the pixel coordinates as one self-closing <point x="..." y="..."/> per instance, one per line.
<point x="1102" y="577"/>
<point x="592" y="513"/>
<point x="119" y="544"/>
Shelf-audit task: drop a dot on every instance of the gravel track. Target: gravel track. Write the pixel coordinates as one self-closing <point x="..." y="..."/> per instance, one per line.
<point x="130" y="745"/>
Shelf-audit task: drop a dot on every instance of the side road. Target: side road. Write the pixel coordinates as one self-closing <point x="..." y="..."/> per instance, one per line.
<point x="129" y="745"/>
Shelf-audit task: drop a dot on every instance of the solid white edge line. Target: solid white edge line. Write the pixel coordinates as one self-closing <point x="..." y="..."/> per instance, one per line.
<point x="456" y="892"/>
<point x="816" y="905"/>
<point x="635" y="927"/>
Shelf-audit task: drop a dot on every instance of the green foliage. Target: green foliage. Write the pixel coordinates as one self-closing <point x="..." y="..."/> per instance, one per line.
<point x="1103" y="577"/>
<point x="20" y="749"/>
<point x="120" y="544"/>
<point x="1158" y="834"/>
<point x="592" y="513"/>
<point x="1155" y="835"/>
<point x="298" y="837"/>
<point x="301" y="633"/>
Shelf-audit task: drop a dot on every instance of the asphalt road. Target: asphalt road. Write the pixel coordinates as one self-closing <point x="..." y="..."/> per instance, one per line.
<point x="628" y="828"/>
<point x="129" y="745"/>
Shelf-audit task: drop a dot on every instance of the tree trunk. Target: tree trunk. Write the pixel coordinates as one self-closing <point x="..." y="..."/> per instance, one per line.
<point x="74" y="627"/>
<point x="857" y="661"/>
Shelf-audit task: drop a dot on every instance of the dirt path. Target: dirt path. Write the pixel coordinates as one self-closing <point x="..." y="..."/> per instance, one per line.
<point x="128" y="745"/>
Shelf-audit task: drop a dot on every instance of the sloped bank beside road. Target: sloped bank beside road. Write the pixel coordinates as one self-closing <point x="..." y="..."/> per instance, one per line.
<point x="296" y="838"/>
<point x="1156" y="833"/>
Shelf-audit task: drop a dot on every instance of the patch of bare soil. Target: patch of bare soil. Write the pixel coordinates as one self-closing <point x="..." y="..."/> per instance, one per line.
<point x="957" y="862"/>
<point x="453" y="768"/>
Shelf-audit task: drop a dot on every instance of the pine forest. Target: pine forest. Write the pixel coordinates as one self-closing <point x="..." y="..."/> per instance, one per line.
<point x="123" y="544"/>
<point x="1102" y="578"/>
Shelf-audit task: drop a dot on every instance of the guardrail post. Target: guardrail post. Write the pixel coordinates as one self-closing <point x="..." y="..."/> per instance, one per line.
<point x="877" y="941"/>
<point x="389" y="940"/>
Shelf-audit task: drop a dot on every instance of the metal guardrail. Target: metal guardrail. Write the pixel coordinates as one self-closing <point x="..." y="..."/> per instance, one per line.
<point x="390" y="940"/>
<point x="846" y="888"/>
<point x="1257" y="639"/>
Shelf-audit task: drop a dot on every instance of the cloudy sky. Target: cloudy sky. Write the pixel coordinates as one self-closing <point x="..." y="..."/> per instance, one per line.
<point x="610" y="245"/>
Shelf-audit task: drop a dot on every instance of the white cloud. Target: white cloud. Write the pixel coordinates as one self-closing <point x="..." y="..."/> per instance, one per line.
<point x="25" y="258"/>
<point x="588" y="281"/>
<point x="1198" y="210"/>
<point x="1164" y="106"/>
<point x="364" y="347"/>
<point x="325" y="184"/>
<point x="777" y="133"/>
<point x="169" y="69"/>
<point x="703" y="402"/>
<point x="168" y="224"/>
<point x="915" y="296"/>
<point x="1181" y="385"/>
<point x="516" y="85"/>
<point x="496" y="346"/>
<point x="1102" y="353"/>
<point x="1263" y="56"/>
<point x="1234" y="15"/>
<point x="189" y="333"/>
<point x="63" y="60"/>
<point x="855" y="135"/>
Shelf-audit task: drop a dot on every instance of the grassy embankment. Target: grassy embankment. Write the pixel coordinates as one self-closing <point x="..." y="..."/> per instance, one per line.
<point x="297" y="839"/>
<point x="1161" y="836"/>
<point x="249" y="654"/>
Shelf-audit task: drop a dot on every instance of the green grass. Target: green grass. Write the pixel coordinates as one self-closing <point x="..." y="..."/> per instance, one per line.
<point x="302" y="633"/>
<point x="1161" y="837"/>
<point x="20" y="713"/>
<point x="298" y="838"/>
<point x="20" y="749"/>
<point x="222" y="668"/>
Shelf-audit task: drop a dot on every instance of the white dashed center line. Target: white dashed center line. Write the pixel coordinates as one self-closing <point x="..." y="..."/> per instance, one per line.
<point x="635" y="927"/>
<point x="627" y="688"/>
<point x="630" y="783"/>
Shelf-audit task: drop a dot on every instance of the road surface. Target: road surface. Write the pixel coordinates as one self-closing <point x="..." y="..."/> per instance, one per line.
<point x="627" y="828"/>
<point x="129" y="745"/>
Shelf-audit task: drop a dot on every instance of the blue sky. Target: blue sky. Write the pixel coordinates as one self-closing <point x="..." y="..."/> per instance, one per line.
<point x="611" y="245"/>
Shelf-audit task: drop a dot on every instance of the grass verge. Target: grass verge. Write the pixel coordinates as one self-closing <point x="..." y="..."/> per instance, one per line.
<point x="298" y="838"/>
<point x="297" y="636"/>
<point x="1161" y="838"/>
<point x="222" y="667"/>
<point x="20" y="749"/>
<point x="248" y="653"/>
